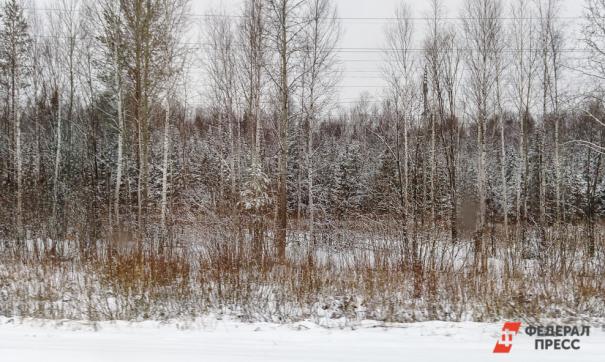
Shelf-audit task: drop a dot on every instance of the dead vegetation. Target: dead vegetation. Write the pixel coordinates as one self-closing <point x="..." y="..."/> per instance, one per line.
<point x="346" y="276"/>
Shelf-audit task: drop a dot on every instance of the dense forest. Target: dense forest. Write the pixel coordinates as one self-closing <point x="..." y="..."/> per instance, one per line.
<point x="474" y="176"/>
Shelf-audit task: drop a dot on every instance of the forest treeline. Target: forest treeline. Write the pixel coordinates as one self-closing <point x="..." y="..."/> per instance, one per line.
<point x="482" y="127"/>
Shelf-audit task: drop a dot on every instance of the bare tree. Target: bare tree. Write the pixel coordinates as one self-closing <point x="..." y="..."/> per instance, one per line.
<point x="174" y="55"/>
<point x="56" y="76"/>
<point x="36" y="69"/>
<point x="482" y="28"/>
<point x="500" y="65"/>
<point x="450" y="128"/>
<point x="550" y="53"/>
<point x="285" y="29"/>
<point x="221" y="66"/>
<point x="120" y="113"/>
<point x="145" y="37"/>
<point x="321" y="35"/>
<point x="436" y="109"/>
<point x="443" y="64"/>
<point x="139" y="17"/>
<point x="65" y="25"/>
<point x="165" y="152"/>
<point x="523" y="73"/>
<point x="594" y="37"/>
<point x="400" y="73"/>
<point x="253" y="45"/>
<point x="112" y="38"/>
<point x="14" y="60"/>
<point x="55" y="82"/>
<point x="88" y="92"/>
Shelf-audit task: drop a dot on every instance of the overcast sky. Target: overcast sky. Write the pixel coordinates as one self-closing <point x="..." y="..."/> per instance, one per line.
<point x="363" y="27"/>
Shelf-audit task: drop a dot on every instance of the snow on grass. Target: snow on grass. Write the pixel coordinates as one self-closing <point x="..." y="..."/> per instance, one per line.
<point x="210" y="339"/>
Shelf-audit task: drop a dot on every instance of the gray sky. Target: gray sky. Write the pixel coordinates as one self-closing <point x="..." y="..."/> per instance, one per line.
<point x="361" y="69"/>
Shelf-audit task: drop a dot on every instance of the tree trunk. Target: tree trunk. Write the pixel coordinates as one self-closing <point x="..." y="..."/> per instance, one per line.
<point x="282" y="202"/>
<point x="165" y="164"/>
<point x="57" y="158"/>
<point x="18" y="156"/>
<point x="118" y="85"/>
<point x="502" y="161"/>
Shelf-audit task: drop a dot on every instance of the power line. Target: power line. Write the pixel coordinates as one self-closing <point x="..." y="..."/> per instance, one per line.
<point x="353" y="50"/>
<point x="379" y="50"/>
<point x="413" y="18"/>
<point x="342" y="18"/>
<point x="395" y="50"/>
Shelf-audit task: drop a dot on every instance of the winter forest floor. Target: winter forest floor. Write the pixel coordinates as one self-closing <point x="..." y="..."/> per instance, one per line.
<point x="346" y="275"/>
<point x="360" y="293"/>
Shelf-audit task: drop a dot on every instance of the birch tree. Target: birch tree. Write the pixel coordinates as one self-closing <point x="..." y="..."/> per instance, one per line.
<point x="64" y="27"/>
<point x="221" y="67"/>
<point x="165" y="154"/>
<point x="14" y="61"/>
<point x="112" y="39"/>
<point x="522" y="73"/>
<point x="399" y="73"/>
<point x="319" y="64"/>
<point x="551" y="41"/>
<point x="593" y="35"/>
<point x="37" y="46"/>
<point x="174" y="55"/>
<point x="54" y="77"/>
<point x="482" y="30"/>
<point x="146" y="33"/>
<point x="285" y="28"/>
<point x="64" y="22"/>
<point x="500" y="68"/>
<point x="442" y="58"/>
<point x="593" y="32"/>
<point x="433" y="57"/>
<point x="252" y="41"/>
<point x="117" y="78"/>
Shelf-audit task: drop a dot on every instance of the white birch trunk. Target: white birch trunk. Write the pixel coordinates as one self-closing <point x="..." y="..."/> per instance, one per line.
<point x="57" y="156"/>
<point x="481" y="174"/>
<point x="502" y="160"/>
<point x="405" y="170"/>
<point x="18" y="156"/>
<point x="165" y="164"/>
<point x="433" y="171"/>
<point x="520" y="167"/>
<point x="119" y="162"/>
<point x="232" y="154"/>
<point x="310" y="180"/>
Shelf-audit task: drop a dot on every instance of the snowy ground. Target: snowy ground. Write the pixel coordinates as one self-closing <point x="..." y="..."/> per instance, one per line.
<point x="212" y="340"/>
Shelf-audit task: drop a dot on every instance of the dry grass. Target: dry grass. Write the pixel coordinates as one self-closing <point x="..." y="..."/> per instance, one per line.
<point x="348" y="275"/>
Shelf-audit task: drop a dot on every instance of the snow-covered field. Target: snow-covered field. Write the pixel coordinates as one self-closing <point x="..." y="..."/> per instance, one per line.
<point x="217" y="340"/>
